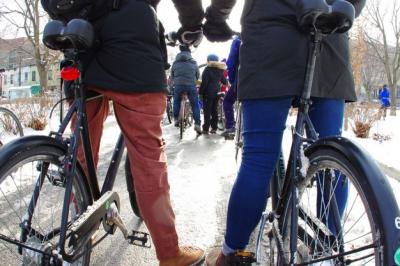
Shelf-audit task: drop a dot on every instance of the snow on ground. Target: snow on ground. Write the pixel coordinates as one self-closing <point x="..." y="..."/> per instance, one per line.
<point x="201" y="173"/>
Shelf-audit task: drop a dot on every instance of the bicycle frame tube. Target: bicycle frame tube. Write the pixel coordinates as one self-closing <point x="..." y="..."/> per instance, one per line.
<point x="290" y="190"/>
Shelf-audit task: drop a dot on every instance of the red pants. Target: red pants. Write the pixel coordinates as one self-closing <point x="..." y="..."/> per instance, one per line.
<point x="139" y="117"/>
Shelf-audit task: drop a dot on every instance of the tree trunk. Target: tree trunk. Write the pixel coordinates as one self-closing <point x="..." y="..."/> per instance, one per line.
<point x="393" y="100"/>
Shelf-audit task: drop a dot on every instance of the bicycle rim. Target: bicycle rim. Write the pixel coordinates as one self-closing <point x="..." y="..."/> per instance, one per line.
<point x="18" y="180"/>
<point x="326" y="227"/>
<point x="10" y="126"/>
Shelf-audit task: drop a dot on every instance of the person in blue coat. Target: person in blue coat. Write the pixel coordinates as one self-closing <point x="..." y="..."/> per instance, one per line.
<point x="231" y="96"/>
<point x="384" y="96"/>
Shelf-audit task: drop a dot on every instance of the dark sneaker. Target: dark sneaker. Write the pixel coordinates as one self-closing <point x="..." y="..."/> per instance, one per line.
<point x="187" y="256"/>
<point x="176" y="124"/>
<point x="197" y="128"/>
<point x="213" y="131"/>
<point x="228" y="132"/>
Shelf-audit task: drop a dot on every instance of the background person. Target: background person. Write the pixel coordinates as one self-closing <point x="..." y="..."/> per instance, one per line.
<point x="211" y="79"/>
<point x="184" y="74"/>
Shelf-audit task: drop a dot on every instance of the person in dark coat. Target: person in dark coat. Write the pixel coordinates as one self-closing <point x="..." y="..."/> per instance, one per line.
<point x="273" y="59"/>
<point x="184" y="74"/>
<point x="211" y="79"/>
<point x="127" y="66"/>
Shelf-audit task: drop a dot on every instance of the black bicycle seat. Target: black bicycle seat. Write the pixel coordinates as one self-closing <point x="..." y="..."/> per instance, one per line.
<point x="77" y="34"/>
<point x="337" y="17"/>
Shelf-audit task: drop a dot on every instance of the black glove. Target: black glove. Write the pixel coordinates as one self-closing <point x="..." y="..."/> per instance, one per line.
<point x="190" y="36"/>
<point x="217" y="31"/>
<point x="215" y="28"/>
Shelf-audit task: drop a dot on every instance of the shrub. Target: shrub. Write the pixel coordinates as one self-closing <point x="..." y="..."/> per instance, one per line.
<point x="363" y="116"/>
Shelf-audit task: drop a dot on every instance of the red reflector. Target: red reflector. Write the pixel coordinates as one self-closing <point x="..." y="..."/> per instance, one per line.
<point x="70" y="73"/>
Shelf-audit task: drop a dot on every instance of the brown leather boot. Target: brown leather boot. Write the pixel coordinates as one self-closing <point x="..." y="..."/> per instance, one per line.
<point x="187" y="256"/>
<point x="215" y="257"/>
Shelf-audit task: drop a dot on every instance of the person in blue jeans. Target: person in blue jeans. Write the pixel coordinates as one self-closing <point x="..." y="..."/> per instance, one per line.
<point x="230" y="98"/>
<point x="184" y="74"/>
<point x="273" y="59"/>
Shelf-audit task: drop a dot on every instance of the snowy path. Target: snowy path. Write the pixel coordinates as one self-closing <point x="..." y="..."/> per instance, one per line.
<point x="201" y="173"/>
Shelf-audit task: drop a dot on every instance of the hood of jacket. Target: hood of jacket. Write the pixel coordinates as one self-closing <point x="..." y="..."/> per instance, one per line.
<point x="183" y="56"/>
<point x="218" y="65"/>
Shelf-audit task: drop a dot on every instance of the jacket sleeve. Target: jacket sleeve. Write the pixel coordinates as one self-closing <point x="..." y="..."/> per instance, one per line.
<point x="233" y="60"/>
<point x="358" y="5"/>
<point x="191" y="12"/>
<point x="219" y="10"/>
<point x="204" y="81"/>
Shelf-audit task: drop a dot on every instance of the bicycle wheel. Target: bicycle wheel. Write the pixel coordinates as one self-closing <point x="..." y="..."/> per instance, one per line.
<point x="221" y="115"/>
<point x="182" y="114"/>
<point x="239" y="131"/>
<point x="277" y="180"/>
<point x="336" y="233"/>
<point x="10" y="126"/>
<point x="169" y="110"/>
<point x="35" y="171"/>
<point x="131" y="188"/>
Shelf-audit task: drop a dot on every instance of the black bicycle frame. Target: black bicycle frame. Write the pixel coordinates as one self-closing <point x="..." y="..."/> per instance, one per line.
<point x="81" y="134"/>
<point x="289" y="196"/>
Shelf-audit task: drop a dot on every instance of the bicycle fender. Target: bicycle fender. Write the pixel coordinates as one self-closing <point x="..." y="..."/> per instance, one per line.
<point x="13" y="148"/>
<point x="378" y="184"/>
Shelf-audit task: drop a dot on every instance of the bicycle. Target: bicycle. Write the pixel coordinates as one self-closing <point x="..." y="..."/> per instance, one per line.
<point x="52" y="209"/>
<point x="10" y="126"/>
<point x="220" y="111"/>
<point x="185" y="114"/>
<point x="368" y="231"/>
<point x="169" y="109"/>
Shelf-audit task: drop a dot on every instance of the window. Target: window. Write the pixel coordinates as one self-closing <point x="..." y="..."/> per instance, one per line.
<point x="12" y="79"/>
<point x="5" y="79"/>
<point x="50" y="75"/>
<point x="26" y="76"/>
<point x="33" y="75"/>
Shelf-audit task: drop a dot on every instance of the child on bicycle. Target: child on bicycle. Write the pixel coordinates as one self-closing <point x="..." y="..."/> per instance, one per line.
<point x="211" y="79"/>
<point x="184" y="74"/>
<point x="273" y="59"/>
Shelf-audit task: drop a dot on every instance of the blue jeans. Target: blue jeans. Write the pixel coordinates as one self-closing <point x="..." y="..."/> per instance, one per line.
<point x="262" y="137"/>
<point x="193" y="98"/>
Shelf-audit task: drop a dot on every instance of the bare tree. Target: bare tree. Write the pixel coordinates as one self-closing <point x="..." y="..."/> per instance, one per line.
<point x="383" y="36"/>
<point x="27" y="16"/>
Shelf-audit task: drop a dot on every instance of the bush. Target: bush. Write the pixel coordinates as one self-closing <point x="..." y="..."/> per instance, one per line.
<point x="33" y="112"/>
<point x="363" y="116"/>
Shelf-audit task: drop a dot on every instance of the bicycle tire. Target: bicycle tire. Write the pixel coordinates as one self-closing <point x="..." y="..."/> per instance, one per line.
<point x="341" y="173"/>
<point x="17" y="185"/>
<point x="10" y="126"/>
<point x="277" y="180"/>
<point x="131" y="188"/>
<point x="182" y="114"/>
<point x="169" y="111"/>
<point x="221" y="115"/>
<point x="239" y="131"/>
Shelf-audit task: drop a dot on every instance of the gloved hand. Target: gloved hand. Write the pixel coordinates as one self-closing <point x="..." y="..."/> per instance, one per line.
<point x="190" y="36"/>
<point x="215" y="28"/>
<point x="217" y="31"/>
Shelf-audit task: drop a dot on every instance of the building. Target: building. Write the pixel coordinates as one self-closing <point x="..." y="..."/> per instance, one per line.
<point x="19" y="68"/>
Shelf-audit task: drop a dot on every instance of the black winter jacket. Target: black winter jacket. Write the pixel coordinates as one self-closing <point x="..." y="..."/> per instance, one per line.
<point x="129" y="57"/>
<point x="211" y="79"/>
<point x="273" y="55"/>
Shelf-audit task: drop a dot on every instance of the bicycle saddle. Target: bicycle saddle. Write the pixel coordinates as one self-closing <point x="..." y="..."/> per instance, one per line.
<point x="78" y="34"/>
<point x="336" y="17"/>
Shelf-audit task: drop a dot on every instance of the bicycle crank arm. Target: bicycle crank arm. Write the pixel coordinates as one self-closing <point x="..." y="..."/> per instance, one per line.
<point x="91" y="218"/>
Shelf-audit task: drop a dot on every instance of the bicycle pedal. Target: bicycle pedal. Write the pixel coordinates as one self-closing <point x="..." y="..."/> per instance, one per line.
<point x="140" y="239"/>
